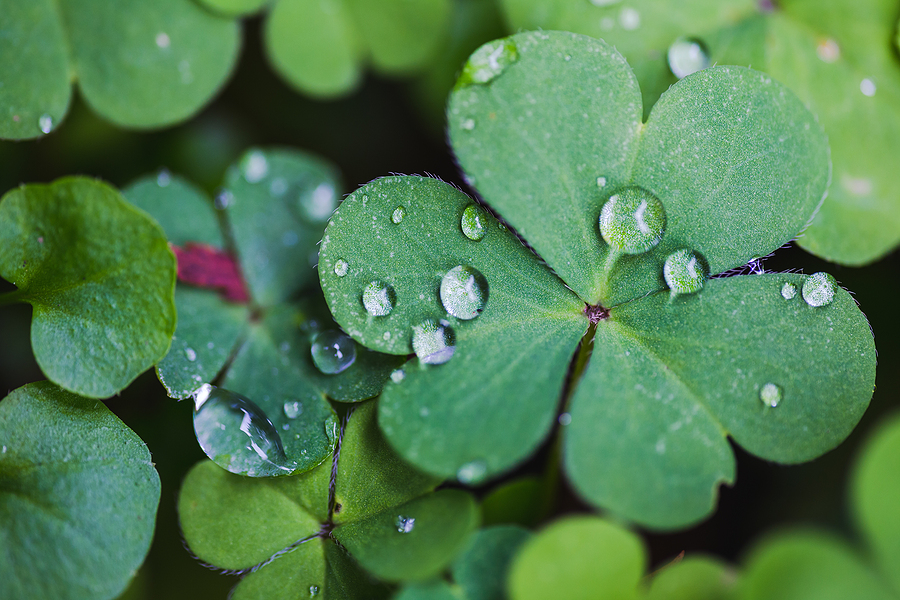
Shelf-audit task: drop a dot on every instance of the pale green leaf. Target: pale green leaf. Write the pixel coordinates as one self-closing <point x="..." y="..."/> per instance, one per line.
<point x="298" y="574"/>
<point x="482" y="569"/>
<point x="694" y="578"/>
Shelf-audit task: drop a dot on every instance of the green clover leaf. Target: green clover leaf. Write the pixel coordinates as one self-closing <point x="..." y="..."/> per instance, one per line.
<point x="548" y="127"/>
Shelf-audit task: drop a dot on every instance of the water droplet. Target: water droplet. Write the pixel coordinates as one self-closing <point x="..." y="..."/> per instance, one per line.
<point x="341" y="267"/>
<point x="828" y="50"/>
<point x="405" y="524"/>
<point x="397" y="215"/>
<point x="464" y="292"/>
<point x="379" y="299"/>
<point x="565" y="419"/>
<point x="629" y="19"/>
<point x="819" y="289"/>
<point x="473" y="222"/>
<point x="866" y="86"/>
<point x="684" y="272"/>
<point x="316" y="205"/>
<point x="162" y="40"/>
<point x="4" y="450"/>
<point x="770" y="395"/>
<point x="190" y="354"/>
<point x="184" y="69"/>
<point x="488" y="62"/>
<point x="163" y="178"/>
<point x="45" y="123"/>
<point x="223" y="199"/>
<point x="601" y="182"/>
<point x="604" y="2"/>
<point x="293" y="409"/>
<point x="788" y="291"/>
<point x="468" y="124"/>
<point x="687" y="55"/>
<point x="472" y="472"/>
<point x="398" y="375"/>
<point x="313" y="591"/>
<point x="633" y="220"/>
<point x="434" y="344"/>
<point x="333" y="351"/>
<point x="254" y="166"/>
<point x="237" y="435"/>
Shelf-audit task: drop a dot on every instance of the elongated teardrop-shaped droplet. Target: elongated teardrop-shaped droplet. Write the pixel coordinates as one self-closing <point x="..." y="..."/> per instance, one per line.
<point x="687" y="55"/>
<point x="397" y="215"/>
<point x="770" y="395"/>
<point x="473" y="222"/>
<point x="405" y="524"/>
<point x="488" y="62"/>
<point x="333" y="351"/>
<point x="379" y="298"/>
<point x="632" y="221"/>
<point x="685" y="272"/>
<point x="818" y="289"/>
<point x="341" y="267"/>
<point x="45" y="123"/>
<point x="464" y="292"/>
<point x="433" y="343"/>
<point x="788" y="291"/>
<point x="237" y="435"/>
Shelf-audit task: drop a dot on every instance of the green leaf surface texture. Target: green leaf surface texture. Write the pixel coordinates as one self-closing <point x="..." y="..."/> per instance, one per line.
<point x="78" y="497"/>
<point x="446" y="417"/>
<point x="345" y="580"/>
<point x="430" y="590"/>
<point x="183" y="210"/>
<point x="138" y="64"/>
<point x="694" y="578"/>
<point x="578" y="558"/>
<point x="482" y="568"/>
<point x="876" y="495"/>
<point x="99" y="276"/>
<point x="298" y="574"/>
<point x="233" y="8"/>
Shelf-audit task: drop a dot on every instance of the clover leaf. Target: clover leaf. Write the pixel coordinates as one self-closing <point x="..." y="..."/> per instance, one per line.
<point x="78" y="497"/>
<point x="255" y="331"/>
<point x="729" y="167"/>
<point x="99" y="277"/>
<point x="138" y="64"/>
<point x="312" y="533"/>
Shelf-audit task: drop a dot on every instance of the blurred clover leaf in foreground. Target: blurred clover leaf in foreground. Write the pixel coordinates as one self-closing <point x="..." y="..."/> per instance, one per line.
<point x="839" y="58"/>
<point x="78" y="497"/>
<point x="613" y="327"/>
<point x="250" y="313"/>
<point x="99" y="277"/>
<point x="343" y="530"/>
<point x="138" y="64"/>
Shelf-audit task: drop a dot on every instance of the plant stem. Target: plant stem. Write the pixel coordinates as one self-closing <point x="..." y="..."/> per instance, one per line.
<point x="11" y="297"/>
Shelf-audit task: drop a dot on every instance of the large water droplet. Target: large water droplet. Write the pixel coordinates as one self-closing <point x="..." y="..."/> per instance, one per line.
<point x="434" y="344"/>
<point x="397" y="215"/>
<point x="237" y="435"/>
<point x="472" y="472"/>
<point x="293" y="409"/>
<point x="405" y="524"/>
<point x="464" y="292"/>
<point x="788" y="291"/>
<point x="379" y="299"/>
<point x="819" y="289"/>
<point x="488" y="62"/>
<point x="254" y="166"/>
<point x="687" y="55"/>
<point x="633" y="220"/>
<point x="317" y="204"/>
<point x="473" y="222"/>
<point x="770" y="395"/>
<point x="341" y="267"/>
<point x="45" y="122"/>
<point x="685" y="272"/>
<point x="333" y="351"/>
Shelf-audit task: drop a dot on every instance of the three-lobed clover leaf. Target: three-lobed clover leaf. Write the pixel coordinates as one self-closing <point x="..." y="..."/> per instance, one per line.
<point x="259" y="341"/>
<point x="340" y="530"/>
<point x="99" y="277"/>
<point x="78" y="497"/>
<point x="548" y="127"/>
<point x="138" y="64"/>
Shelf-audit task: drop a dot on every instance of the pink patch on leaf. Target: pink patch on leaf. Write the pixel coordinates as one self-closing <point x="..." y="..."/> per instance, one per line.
<point x="210" y="268"/>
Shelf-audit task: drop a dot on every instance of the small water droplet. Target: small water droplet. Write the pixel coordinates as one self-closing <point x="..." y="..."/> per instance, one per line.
<point x="788" y="291"/>
<point x="866" y="86"/>
<point x="162" y="39"/>
<point x="604" y="2"/>
<point x="316" y="205"/>
<point x="341" y="267"/>
<point x="464" y="292"/>
<point x="223" y="199"/>
<point x="405" y="524"/>
<point x="254" y="166"/>
<point x="163" y="178"/>
<point x="313" y="591"/>
<point x="237" y="435"/>
<point x="629" y="19"/>
<point x="468" y="124"/>
<point x="488" y="62"/>
<point x="601" y="182"/>
<point x="828" y="50"/>
<point x="565" y="419"/>
<point x="293" y="409"/>
<point x="397" y="215"/>
<point x="190" y="354"/>
<point x="4" y="450"/>
<point x="770" y="395"/>
<point x="333" y="351"/>
<point x="434" y="344"/>
<point x="473" y="222"/>
<point x="378" y="298"/>
<point x="472" y="472"/>
<point x="45" y="122"/>
<point x="685" y="272"/>
<point x="687" y="55"/>
<point x="819" y="289"/>
<point x="184" y="69"/>
<point x="633" y="220"/>
<point x="398" y="375"/>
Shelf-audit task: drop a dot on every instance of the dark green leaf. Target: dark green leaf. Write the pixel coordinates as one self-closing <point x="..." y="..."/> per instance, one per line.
<point x="344" y="580"/>
<point x="78" y="497"/>
<point x="183" y="211"/>
<point x="524" y="501"/>
<point x="234" y="7"/>
<point x="430" y="590"/>
<point x="482" y="569"/>
<point x="298" y="574"/>
<point x="99" y="276"/>
<point x="694" y="578"/>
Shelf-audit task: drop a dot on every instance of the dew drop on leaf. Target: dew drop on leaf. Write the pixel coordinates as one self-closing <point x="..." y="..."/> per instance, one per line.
<point x="237" y="435"/>
<point x="45" y="122"/>
<point x="223" y="199"/>
<point x="866" y="86"/>
<point x="488" y="62"/>
<point x="433" y="343"/>
<point x="464" y="292"/>
<point x="788" y="291"/>
<point x="163" y="178"/>
<point x="818" y="289"/>
<point x="468" y="124"/>
<point x="770" y="395"/>
<point x="687" y="55"/>
<point x="632" y="221"/>
<point x="398" y="375"/>
<point x="472" y="472"/>
<point x="340" y="267"/>
<point x="629" y="19"/>
<point x="333" y="351"/>
<point x="684" y="272"/>
<point x="316" y="205"/>
<point x="313" y="591"/>
<point x="397" y="215"/>
<point x="293" y="409"/>
<point x="828" y="50"/>
<point x="604" y="2"/>
<point x="473" y="222"/>
<point x="254" y="166"/>
<point x="601" y="182"/>
<point x="190" y="354"/>
<point x="405" y="524"/>
<point x="379" y="298"/>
